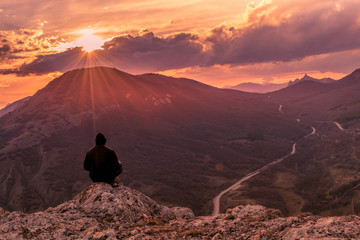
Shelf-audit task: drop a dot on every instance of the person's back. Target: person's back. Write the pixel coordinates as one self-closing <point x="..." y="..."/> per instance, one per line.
<point x="102" y="162"/>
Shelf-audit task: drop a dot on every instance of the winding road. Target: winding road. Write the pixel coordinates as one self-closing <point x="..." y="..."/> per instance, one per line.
<point x="339" y="126"/>
<point x="216" y="200"/>
<point x="280" y="108"/>
<point x="312" y="133"/>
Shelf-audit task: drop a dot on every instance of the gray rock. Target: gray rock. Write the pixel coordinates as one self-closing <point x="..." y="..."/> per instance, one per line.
<point x="182" y="212"/>
<point x="103" y="212"/>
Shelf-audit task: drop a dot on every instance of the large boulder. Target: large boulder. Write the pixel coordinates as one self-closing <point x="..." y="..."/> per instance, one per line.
<point x="100" y="210"/>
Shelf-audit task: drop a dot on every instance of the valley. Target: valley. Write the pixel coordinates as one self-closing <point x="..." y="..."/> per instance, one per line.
<point x="182" y="142"/>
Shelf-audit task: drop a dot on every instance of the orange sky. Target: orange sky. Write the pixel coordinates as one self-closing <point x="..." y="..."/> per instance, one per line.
<point x="217" y="43"/>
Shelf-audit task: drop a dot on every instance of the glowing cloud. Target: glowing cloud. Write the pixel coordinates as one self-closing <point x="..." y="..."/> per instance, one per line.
<point x="88" y="41"/>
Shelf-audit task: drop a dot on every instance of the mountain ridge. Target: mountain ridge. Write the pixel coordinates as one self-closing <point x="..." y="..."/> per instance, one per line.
<point x="12" y="106"/>
<point x="308" y="78"/>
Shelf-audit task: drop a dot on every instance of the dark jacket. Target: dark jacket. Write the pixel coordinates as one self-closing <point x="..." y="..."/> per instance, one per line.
<point x="103" y="164"/>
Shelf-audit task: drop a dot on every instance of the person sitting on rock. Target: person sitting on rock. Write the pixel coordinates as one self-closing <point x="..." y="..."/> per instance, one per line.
<point x="102" y="162"/>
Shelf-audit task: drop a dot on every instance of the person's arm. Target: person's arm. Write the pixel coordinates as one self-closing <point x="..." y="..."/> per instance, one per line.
<point x="87" y="162"/>
<point x="118" y="165"/>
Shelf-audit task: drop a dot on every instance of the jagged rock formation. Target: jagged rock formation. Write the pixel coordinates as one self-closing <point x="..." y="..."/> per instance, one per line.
<point x="103" y="212"/>
<point x="308" y="78"/>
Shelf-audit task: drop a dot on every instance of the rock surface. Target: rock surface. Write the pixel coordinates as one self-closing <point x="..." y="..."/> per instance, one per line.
<point x="103" y="212"/>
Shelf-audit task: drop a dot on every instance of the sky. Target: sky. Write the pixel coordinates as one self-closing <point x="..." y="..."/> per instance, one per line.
<point x="216" y="42"/>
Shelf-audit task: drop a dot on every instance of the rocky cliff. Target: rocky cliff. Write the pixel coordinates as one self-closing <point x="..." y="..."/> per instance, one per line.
<point x="103" y="212"/>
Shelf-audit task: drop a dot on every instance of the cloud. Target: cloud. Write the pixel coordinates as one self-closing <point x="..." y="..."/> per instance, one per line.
<point x="273" y="32"/>
<point x="145" y="52"/>
<point x="148" y="51"/>
<point x="324" y="29"/>
<point x="44" y="64"/>
<point x="4" y="49"/>
<point x="335" y="65"/>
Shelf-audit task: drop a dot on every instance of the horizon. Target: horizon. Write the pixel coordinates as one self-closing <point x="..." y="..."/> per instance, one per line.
<point x="261" y="41"/>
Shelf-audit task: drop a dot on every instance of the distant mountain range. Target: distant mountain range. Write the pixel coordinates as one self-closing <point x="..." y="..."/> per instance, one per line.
<point x="271" y="87"/>
<point x="257" y="87"/>
<point x="321" y="94"/>
<point x="308" y="78"/>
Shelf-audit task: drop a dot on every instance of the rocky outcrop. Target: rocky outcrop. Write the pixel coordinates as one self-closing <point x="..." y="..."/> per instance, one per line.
<point x="103" y="212"/>
<point x="100" y="210"/>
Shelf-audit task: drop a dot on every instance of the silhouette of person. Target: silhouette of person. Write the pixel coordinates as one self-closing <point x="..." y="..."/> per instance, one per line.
<point x="102" y="162"/>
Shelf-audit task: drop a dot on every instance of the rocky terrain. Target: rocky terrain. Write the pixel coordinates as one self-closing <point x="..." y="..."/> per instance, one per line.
<point x="103" y="212"/>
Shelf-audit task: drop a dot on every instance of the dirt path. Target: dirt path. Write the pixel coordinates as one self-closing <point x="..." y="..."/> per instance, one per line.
<point x="339" y="126"/>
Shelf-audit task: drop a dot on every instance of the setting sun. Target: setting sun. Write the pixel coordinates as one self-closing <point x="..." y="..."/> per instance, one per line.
<point x="88" y="40"/>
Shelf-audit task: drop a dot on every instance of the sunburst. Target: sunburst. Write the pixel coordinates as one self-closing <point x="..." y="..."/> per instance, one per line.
<point x="88" y="40"/>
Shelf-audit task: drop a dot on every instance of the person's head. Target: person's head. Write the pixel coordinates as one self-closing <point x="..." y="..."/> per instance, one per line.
<point x="100" y="139"/>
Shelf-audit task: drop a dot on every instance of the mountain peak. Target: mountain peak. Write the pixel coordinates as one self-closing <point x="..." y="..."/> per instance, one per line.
<point x="306" y="77"/>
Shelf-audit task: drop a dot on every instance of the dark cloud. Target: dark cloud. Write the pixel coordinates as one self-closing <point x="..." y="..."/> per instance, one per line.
<point x="134" y="53"/>
<point x="4" y="49"/>
<point x="43" y="64"/>
<point x="154" y="53"/>
<point x="324" y="30"/>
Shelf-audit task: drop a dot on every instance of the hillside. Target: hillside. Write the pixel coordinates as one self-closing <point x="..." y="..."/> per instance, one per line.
<point x="335" y="100"/>
<point x="322" y="177"/>
<point x="12" y="106"/>
<point x="101" y="212"/>
<point x="180" y="141"/>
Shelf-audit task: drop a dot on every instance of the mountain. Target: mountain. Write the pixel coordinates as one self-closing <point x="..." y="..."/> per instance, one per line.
<point x="101" y="212"/>
<point x="272" y="87"/>
<point x="257" y="88"/>
<point x="320" y="100"/>
<point x="322" y="177"/>
<point x="12" y="106"/>
<point x="300" y="91"/>
<point x="180" y="141"/>
<point x="308" y="78"/>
